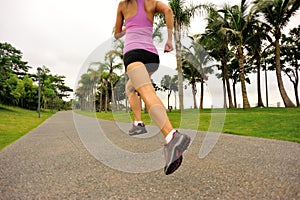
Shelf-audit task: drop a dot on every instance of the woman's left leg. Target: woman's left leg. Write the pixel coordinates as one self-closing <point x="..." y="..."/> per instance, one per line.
<point x="140" y="80"/>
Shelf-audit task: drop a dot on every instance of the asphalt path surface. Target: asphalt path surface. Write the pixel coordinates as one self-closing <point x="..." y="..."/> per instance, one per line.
<point x="75" y="157"/>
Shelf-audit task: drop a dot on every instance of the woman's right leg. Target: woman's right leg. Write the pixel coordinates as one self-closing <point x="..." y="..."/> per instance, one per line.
<point x="173" y="150"/>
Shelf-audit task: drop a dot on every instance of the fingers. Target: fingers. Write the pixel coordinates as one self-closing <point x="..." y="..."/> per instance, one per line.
<point x="168" y="48"/>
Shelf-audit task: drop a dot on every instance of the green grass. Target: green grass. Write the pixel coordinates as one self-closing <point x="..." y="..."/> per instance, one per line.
<point x="275" y="123"/>
<point x="16" y="122"/>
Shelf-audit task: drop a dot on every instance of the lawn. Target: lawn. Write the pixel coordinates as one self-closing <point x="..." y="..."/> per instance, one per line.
<point x="275" y="123"/>
<point x="16" y="122"/>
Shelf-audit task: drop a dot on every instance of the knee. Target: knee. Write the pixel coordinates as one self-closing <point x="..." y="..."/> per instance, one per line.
<point x="129" y="89"/>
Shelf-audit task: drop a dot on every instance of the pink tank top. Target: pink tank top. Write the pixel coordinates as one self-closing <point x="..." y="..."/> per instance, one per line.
<point x="139" y="31"/>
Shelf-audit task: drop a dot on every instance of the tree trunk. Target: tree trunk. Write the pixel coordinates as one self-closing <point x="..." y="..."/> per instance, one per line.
<point x="201" y="95"/>
<point x="225" y="72"/>
<point x="286" y="100"/>
<point x="246" y="104"/>
<point x="177" y="38"/>
<point x="296" y="94"/>
<point x="297" y="83"/>
<point x="113" y="101"/>
<point x="224" y="91"/>
<point x="100" y="97"/>
<point x="194" y="95"/>
<point x="175" y="96"/>
<point x="266" y="85"/>
<point x="234" y="93"/>
<point x="259" y="98"/>
<point x="106" y="96"/>
<point x="169" y="94"/>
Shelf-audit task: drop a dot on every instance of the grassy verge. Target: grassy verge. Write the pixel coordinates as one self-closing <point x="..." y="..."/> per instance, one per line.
<point x="16" y="122"/>
<point x="275" y="123"/>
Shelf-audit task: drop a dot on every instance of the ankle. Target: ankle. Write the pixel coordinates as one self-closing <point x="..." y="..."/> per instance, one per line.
<point x="136" y="123"/>
<point x="169" y="137"/>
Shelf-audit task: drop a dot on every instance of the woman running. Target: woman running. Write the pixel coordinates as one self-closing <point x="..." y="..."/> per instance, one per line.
<point x="141" y="60"/>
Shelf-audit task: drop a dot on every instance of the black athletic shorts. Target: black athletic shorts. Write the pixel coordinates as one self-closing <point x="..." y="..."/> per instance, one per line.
<point x="149" y="59"/>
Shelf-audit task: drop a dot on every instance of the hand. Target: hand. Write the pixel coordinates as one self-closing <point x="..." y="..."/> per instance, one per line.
<point x="168" y="47"/>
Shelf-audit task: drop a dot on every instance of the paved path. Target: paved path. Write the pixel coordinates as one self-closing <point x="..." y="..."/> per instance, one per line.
<point x="51" y="162"/>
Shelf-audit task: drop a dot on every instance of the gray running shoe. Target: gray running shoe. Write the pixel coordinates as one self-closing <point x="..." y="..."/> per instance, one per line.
<point x="137" y="130"/>
<point x="173" y="151"/>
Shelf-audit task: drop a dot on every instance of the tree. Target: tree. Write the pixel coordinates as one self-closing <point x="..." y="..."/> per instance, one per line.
<point x="11" y="60"/>
<point x="17" y="85"/>
<point x="30" y="99"/>
<point x="277" y="14"/>
<point x="195" y="57"/>
<point x="12" y="67"/>
<point x="120" y="93"/>
<point x="110" y="64"/>
<point x="15" y="89"/>
<point x="260" y="32"/>
<point x="85" y="92"/>
<point x="217" y="44"/>
<point x="105" y="77"/>
<point x="94" y="81"/>
<point x="50" y="85"/>
<point x="240" y="23"/>
<point x="182" y="20"/>
<point x="98" y="82"/>
<point x="174" y="87"/>
<point x="166" y="85"/>
<point x="291" y="58"/>
<point x="234" y="76"/>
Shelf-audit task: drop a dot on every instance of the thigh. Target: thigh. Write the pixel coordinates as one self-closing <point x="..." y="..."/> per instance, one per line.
<point x="138" y="75"/>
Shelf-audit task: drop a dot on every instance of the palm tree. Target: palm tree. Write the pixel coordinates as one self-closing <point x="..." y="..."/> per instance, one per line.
<point x="234" y="76"/>
<point x="94" y="76"/>
<point x="277" y="14"/>
<point x="105" y="79"/>
<point x="84" y="92"/>
<point x="118" y="48"/>
<point x="110" y="65"/>
<point x="174" y="88"/>
<point x="240" y="24"/>
<point x="290" y="49"/>
<point x="166" y="85"/>
<point x="255" y="48"/>
<point x="268" y="58"/>
<point x="217" y="44"/>
<point x="195" y="57"/>
<point x="120" y="93"/>
<point x="192" y="75"/>
<point x="182" y="20"/>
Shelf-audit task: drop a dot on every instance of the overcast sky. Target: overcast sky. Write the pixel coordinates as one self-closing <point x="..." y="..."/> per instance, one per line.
<point x="61" y="34"/>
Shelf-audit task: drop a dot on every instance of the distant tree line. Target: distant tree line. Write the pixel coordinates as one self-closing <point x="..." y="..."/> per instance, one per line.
<point x="18" y="87"/>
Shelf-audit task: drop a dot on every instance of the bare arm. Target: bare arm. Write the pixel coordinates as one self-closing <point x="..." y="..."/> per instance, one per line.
<point x="119" y="29"/>
<point x="167" y="11"/>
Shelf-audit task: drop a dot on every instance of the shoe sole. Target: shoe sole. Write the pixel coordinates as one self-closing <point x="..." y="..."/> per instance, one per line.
<point x="173" y="166"/>
<point x="137" y="133"/>
<point x="179" y="151"/>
